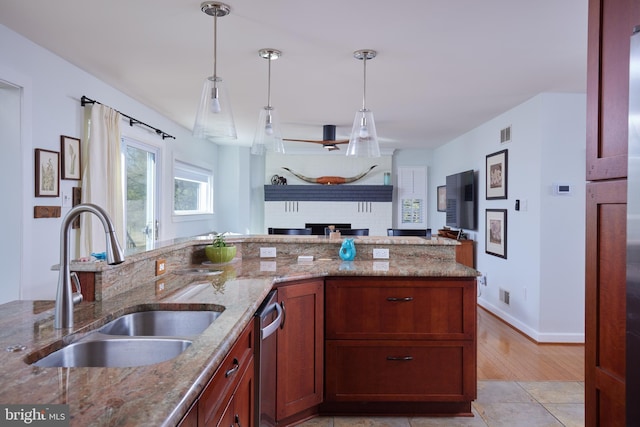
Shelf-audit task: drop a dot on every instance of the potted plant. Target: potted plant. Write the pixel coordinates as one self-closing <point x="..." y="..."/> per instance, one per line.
<point x="218" y="251"/>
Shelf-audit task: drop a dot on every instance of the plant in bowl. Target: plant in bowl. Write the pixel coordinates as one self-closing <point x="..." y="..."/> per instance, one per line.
<point x="219" y="251"/>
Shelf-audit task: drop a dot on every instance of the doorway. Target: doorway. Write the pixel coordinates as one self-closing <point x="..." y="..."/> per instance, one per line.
<point x="11" y="187"/>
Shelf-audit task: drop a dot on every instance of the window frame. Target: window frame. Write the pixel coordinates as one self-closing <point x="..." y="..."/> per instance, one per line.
<point x="135" y="138"/>
<point x="188" y="168"/>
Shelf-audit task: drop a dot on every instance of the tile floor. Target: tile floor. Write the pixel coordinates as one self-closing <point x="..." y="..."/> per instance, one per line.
<point x="499" y="404"/>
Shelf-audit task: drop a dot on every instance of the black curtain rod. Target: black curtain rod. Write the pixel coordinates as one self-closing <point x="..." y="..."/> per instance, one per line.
<point x="84" y="101"/>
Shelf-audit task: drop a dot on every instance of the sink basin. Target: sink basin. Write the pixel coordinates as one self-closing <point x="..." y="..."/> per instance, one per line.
<point x="115" y="353"/>
<point x="161" y="323"/>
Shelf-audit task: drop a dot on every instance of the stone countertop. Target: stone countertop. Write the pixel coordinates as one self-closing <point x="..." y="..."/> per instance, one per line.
<point x="160" y="394"/>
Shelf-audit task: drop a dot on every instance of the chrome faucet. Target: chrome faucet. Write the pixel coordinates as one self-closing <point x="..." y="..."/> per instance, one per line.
<point x="65" y="297"/>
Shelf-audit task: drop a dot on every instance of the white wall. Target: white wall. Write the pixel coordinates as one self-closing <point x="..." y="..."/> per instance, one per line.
<point x="10" y="180"/>
<point x="52" y="89"/>
<point x="544" y="269"/>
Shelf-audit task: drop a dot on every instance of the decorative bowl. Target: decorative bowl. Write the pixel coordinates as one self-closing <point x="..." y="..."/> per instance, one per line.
<point x="219" y="255"/>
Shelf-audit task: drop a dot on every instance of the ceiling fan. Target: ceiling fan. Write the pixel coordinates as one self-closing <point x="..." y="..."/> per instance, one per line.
<point x="328" y="138"/>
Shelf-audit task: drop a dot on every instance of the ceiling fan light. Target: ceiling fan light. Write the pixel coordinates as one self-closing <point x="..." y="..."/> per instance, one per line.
<point x="364" y="138"/>
<point x="214" y="118"/>
<point x="267" y="137"/>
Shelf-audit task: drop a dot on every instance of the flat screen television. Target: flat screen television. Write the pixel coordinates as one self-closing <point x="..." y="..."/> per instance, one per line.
<point x="462" y="200"/>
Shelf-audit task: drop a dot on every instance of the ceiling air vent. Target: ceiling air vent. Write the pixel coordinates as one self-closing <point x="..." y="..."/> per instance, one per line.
<point x="505" y="135"/>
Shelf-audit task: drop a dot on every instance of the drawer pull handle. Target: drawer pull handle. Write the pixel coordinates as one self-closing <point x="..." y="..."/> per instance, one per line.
<point x="400" y="358"/>
<point x="237" y="420"/>
<point x="236" y="366"/>
<point x="405" y="299"/>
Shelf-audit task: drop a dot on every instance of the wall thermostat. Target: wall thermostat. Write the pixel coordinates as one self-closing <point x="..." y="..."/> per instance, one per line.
<point x="562" y="188"/>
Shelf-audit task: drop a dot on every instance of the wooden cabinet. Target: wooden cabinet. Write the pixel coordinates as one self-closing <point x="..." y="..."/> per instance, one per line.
<point x="408" y="344"/>
<point x="466" y="253"/>
<point x="610" y="27"/>
<point x="300" y="342"/>
<point x="605" y="313"/>
<point x="228" y="398"/>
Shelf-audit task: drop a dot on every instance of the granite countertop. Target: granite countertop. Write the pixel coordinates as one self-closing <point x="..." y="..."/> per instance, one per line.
<point x="162" y="393"/>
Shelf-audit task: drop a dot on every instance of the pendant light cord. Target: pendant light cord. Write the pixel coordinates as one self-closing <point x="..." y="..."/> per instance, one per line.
<point x="364" y="89"/>
<point x="269" y="83"/>
<point x="215" y="44"/>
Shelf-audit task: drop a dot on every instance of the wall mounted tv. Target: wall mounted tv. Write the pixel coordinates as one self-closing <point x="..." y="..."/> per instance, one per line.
<point x="462" y="200"/>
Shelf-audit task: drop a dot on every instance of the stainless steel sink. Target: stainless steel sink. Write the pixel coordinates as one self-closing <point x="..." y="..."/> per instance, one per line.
<point x="115" y="352"/>
<point x="161" y="323"/>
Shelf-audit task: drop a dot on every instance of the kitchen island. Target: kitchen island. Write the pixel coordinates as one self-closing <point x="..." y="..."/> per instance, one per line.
<point x="161" y="394"/>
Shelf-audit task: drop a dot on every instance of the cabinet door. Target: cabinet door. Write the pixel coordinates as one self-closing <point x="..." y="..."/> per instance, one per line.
<point x="404" y="371"/>
<point x="610" y="26"/>
<point x="393" y="308"/>
<point x="243" y="399"/>
<point x="300" y="361"/>
<point x="605" y="312"/>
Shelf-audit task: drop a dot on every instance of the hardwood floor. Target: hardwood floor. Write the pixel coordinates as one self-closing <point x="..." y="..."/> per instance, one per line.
<point x="504" y="353"/>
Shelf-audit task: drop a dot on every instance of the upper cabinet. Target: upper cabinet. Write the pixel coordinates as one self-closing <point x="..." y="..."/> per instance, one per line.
<point x="610" y="26"/>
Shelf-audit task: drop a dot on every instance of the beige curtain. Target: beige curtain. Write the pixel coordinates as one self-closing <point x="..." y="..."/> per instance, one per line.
<point x="101" y="178"/>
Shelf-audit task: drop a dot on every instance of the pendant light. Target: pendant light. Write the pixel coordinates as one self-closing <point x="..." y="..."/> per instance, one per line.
<point x="214" y="119"/>
<point x="364" y="139"/>
<point x="268" y="136"/>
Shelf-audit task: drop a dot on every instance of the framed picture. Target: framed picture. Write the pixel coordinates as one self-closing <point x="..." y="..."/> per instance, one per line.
<point x="70" y="152"/>
<point x="47" y="171"/>
<point x="442" y="198"/>
<point x="496" y="178"/>
<point x="496" y="232"/>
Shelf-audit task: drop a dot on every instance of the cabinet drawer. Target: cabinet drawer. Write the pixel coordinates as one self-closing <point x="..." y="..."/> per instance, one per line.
<point x="379" y="308"/>
<point x="217" y="393"/>
<point x="400" y="371"/>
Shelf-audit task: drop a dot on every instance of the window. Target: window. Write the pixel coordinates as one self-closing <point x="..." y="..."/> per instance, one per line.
<point x="193" y="189"/>
<point x="139" y="162"/>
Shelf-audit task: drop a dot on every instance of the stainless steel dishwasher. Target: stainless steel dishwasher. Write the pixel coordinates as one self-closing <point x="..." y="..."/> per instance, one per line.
<point x="270" y="315"/>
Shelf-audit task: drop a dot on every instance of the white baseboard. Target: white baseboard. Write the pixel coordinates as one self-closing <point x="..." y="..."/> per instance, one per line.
<point x="546" y="337"/>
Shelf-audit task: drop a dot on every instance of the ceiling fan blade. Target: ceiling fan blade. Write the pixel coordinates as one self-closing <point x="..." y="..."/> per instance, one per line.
<point x="328" y="140"/>
<point x="315" y="141"/>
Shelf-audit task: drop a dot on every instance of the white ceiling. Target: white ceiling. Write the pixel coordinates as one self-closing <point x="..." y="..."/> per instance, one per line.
<point x="443" y="66"/>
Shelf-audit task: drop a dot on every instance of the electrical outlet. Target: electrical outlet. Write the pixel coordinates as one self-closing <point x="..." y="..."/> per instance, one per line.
<point x="380" y="253"/>
<point x="267" y="252"/>
<point x="161" y="267"/>
<point x="160" y="286"/>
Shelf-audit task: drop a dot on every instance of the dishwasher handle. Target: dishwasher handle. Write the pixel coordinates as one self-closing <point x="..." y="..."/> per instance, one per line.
<point x="273" y="326"/>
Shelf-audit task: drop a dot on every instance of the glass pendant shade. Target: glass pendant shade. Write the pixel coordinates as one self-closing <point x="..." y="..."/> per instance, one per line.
<point x="214" y="119"/>
<point x="364" y="138"/>
<point x="267" y="137"/>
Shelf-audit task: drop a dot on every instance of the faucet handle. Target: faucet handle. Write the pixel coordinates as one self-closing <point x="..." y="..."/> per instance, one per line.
<point x="77" y="296"/>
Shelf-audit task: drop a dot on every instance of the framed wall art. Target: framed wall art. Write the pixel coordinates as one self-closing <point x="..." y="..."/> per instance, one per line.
<point x="496" y="177"/>
<point x="496" y="232"/>
<point x="47" y="173"/>
<point x="70" y="153"/>
<point x="442" y="198"/>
